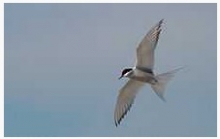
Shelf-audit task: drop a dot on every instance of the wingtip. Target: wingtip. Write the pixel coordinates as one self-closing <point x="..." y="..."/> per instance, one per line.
<point x="116" y="124"/>
<point x="161" y="22"/>
<point x="163" y="99"/>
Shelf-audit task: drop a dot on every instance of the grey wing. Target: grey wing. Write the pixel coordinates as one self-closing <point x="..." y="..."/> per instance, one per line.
<point x="145" y="50"/>
<point x="125" y="99"/>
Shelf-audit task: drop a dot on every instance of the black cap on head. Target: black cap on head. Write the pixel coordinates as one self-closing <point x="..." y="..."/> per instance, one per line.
<point x="124" y="72"/>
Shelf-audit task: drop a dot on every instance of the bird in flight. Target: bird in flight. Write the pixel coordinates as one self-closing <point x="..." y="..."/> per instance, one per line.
<point x="141" y="74"/>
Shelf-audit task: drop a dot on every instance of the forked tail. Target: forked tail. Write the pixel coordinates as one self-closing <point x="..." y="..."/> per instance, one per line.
<point x="162" y="80"/>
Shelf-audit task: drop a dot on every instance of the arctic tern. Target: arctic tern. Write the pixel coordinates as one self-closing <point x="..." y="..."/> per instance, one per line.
<point x="141" y="74"/>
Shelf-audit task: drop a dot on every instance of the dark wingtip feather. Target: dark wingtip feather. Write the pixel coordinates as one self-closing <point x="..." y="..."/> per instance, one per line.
<point x="116" y="124"/>
<point x="123" y="115"/>
<point x="161" y="21"/>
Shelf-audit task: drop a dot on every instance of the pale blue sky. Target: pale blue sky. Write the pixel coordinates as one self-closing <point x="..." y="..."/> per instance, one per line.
<point x="62" y="63"/>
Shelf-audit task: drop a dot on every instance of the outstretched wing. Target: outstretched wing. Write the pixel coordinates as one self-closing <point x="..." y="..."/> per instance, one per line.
<point x="145" y="50"/>
<point x="125" y="99"/>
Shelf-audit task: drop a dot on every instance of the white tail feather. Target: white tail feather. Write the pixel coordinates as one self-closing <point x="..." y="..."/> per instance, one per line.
<point x="162" y="80"/>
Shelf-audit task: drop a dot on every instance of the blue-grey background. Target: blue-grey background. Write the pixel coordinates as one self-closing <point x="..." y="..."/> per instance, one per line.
<point x="62" y="63"/>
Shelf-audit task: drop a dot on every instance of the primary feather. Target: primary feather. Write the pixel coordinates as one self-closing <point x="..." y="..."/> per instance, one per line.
<point x="126" y="98"/>
<point x="145" y="50"/>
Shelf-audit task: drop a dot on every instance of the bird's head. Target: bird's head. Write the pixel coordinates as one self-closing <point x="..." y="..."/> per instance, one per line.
<point x="125" y="72"/>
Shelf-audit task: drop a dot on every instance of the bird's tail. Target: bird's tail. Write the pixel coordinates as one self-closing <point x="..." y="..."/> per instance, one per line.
<point x="162" y="80"/>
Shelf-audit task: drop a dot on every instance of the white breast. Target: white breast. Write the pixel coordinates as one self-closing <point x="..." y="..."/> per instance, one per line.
<point x="140" y="73"/>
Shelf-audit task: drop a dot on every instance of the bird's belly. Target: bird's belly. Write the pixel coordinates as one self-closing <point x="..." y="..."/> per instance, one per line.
<point x="147" y="78"/>
<point x="143" y="77"/>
